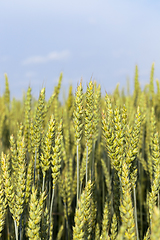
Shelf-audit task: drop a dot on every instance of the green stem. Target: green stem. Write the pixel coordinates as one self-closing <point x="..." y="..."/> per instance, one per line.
<point x="141" y="197"/>
<point x="16" y="229"/>
<point x="135" y="212"/>
<point x="43" y="183"/>
<point x="51" y="212"/>
<point x="67" y="225"/>
<point x="20" y="230"/>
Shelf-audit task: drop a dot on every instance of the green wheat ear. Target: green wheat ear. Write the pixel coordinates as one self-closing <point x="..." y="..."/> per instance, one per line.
<point x="96" y="126"/>
<point x="7" y="92"/>
<point x="105" y="222"/>
<point x="108" y="129"/>
<point x="13" y="154"/>
<point x="97" y="111"/>
<point x="114" y="226"/>
<point x="83" y="216"/>
<point x="56" y="165"/>
<point x="89" y="125"/>
<point x="97" y="232"/>
<point x="151" y="87"/>
<point x="37" y="126"/>
<point x="78" y="125"/>
<point x="47" y="149"/>
<point x="78" y="229"/>
<point x="3" y="205"/>
<point x="21" y="181"/>
<point x="70" y="103"/>
<point x="137" y="88"/>
<point x="56" y="157"/>
<point x="155" y="154"/>
<point x="9" y="188"/>
<point x="35" y="213"/>
<point x="126" y="208"/>
<point x="155" y="233"/>
<point x="121" y="234"/>
<point x="147" y="235"/>
<point x="27" y="120"/>
<point x="57" y="88"/>
<point x="107" y="177"/>
<point x="29" y="179"/>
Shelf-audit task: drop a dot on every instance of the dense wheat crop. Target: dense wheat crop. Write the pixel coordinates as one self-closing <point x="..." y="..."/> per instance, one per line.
<point x="87" y="169"/>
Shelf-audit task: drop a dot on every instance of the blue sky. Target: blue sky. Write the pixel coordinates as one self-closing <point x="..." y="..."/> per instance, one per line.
<point x="102" y="39"/>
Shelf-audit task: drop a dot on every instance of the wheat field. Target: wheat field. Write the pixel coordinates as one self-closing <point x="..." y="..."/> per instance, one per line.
<point x="85" y="169"/>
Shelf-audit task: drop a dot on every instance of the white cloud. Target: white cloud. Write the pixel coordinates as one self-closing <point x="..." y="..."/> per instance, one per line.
<point x="52" y="56"/>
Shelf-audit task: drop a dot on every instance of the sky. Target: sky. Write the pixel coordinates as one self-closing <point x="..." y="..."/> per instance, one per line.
<point x="102" y="40"/>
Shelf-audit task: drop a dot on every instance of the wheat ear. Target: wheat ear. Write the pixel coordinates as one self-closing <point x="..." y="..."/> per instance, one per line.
<point x="126" y="208"/>
<point x="21" y="173"/>
<point x="35" y="213"/>
<point x="96" y="125"/>
<point x="82" y="228"/>
<point x="89" y="116"/>
<point x="47" y="147"/>
<point x="155" y="233"/>
<point x="56" y="164"/>
<point x="155" y="153"/>
<point x="108" y="130"/>
<point x="78" y="229"/>
<point x="7" y="92"/>
<point x="9" y="192"/>
<point x="88" y="210"/>
<point x="78" y="115"/>
<point x="116" y="195"/>
<point x="29" y="178"/>
<point x="37" y="126"/>
<point x="9" y="188"/>
<point x="97" y="232"/>
<point x="13" y="154"/>
<point x="114" y="227"/>
<point x="121" y="234"/>
<point x="105" y="222"/>
<point x="107" y="178"/>
<point x="133" y="136"/>
<point x="27" y="120"/>
<point x="137" y="88"/>
<point x="3" y="206"/>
